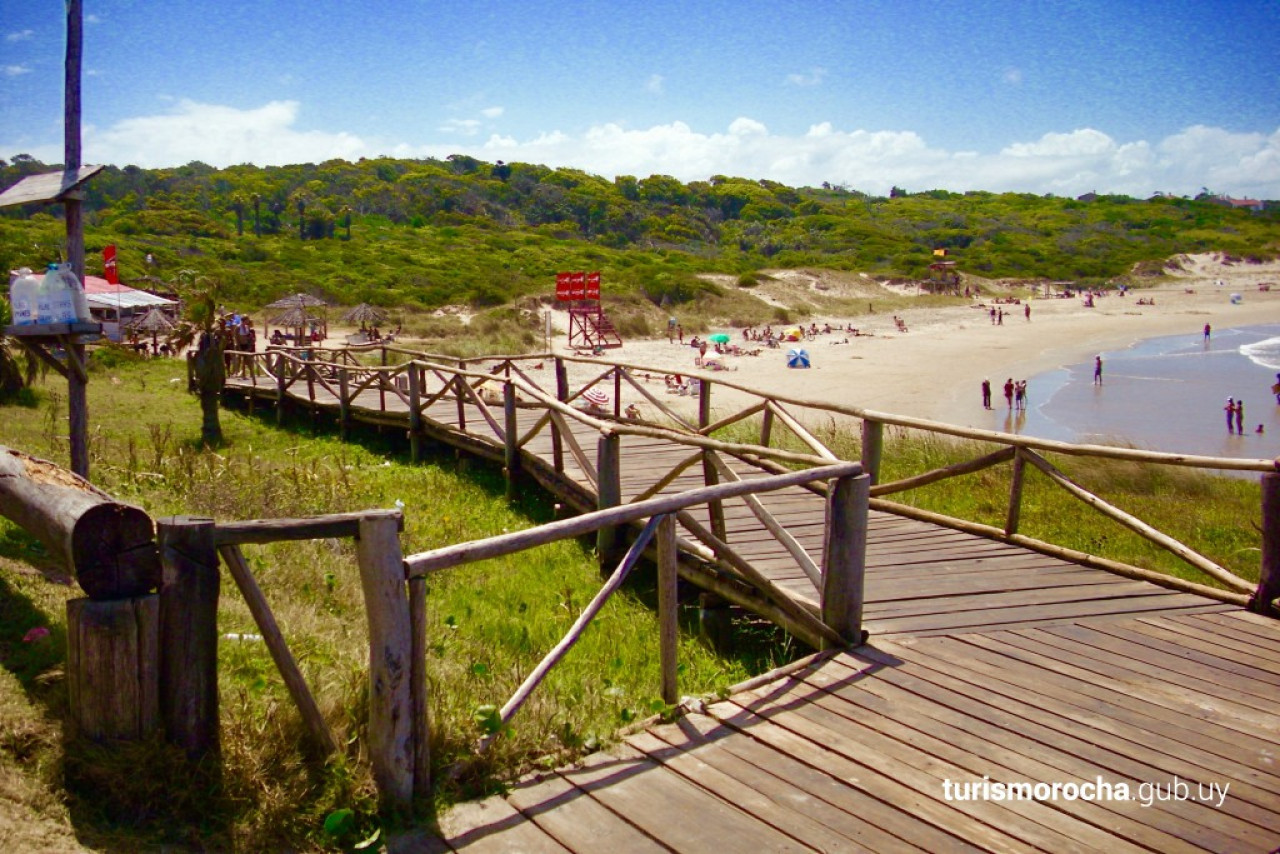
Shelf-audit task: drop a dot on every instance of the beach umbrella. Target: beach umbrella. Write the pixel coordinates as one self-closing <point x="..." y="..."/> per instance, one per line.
<point x="1236" y="299"/>
<point x="797" y="358"/>
<point x="719" y="338"/>
<point x="297" y="301"/>
<point x="795" y="333"/>
<point x="297" y="319"/>
<point x="365" y="314"/>
<point x="595" y="397"/>
<point x="155" y="322"/>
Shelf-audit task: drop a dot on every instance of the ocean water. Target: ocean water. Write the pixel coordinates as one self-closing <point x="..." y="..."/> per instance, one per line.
<point x="1163" y="394"/>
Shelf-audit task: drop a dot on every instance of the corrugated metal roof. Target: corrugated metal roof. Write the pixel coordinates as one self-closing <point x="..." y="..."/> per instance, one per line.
<point x="100" y="293"/>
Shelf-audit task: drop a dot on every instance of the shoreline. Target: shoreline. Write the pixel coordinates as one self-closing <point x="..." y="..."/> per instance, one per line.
<point x="934" y="370"/>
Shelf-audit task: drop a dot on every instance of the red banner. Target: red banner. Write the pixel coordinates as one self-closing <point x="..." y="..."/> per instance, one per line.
<point x="109" y="271"/>
<point x="577" y="286"/>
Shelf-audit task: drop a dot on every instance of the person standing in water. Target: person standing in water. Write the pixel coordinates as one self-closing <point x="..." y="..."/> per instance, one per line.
<point x="1097" y="370"/>
<point x="1230" y="409"/>
<point x="1207" y="330"/>
<point x="986" y="394"/>
<point x="1240" y="417"/>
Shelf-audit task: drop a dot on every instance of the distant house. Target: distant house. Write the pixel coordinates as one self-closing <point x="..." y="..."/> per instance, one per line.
<point x="1240" y="204"/>
<point x="1087" y="197"/>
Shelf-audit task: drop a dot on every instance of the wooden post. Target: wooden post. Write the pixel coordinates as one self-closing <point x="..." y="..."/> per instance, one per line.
<point x="617" y="392"/>
<point x="112" y="677"/>
<point x="391" y="747"/>
<point x="562" y="394"/>
<point x="344" y="405"/>
<point x="845" y="556"/>
<point x="872" y="448"/>
<point x="459" y="383"/>
<point x="1015" y="493"/>
<point x="418" y="688"/>
<point x="1269" y="575"/>
<point x="189" y="633"/>
<point x="668" y="608"/>
<point x="710" y="475"/>
<point x="511" y="427"/>
<point x="77" y="398"/>
<point x="282" y="365"/>
<point x="608" y="494"/>
<point x="766" y="427"/>
<point x="415" y="412"/>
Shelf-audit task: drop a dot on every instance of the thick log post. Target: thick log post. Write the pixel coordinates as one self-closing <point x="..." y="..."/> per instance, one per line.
<point x="113" y="681"/>
<point x="109" y="546"/>
<point x="872" y="448"/>
<point x="391" y="745"/>
<point x="668" y="608"/>
<point x="189" y="633"/>
<point x="415" y="412"/>
<point x="510" y="429"/>
<point x="608" y="494"/>
<point x="766" y="427"/>
<point x="1015" y="493"/>
<point x="562" y="394"/>
<point x="1268" y="591"/>
<point x="845" y="556"/>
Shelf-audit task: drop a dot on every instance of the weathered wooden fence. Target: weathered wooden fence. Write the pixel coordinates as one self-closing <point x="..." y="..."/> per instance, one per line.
<point x="497" y="386"/>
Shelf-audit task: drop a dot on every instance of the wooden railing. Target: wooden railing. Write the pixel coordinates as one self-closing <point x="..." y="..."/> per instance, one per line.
<point x="427" y="379"/>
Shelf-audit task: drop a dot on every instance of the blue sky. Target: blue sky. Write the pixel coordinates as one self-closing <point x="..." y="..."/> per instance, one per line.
<point x="1056" y="96"/>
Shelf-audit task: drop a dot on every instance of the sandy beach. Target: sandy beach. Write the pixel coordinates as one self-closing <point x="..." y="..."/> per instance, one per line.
<point x="934" y="370"/>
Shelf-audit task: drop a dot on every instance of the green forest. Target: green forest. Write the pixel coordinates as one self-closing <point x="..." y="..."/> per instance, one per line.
<point x="419" y="234"/>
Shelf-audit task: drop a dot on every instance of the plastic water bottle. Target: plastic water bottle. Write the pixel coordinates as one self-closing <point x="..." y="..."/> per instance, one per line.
<point x="79" y="303"/>
<point x="22" y="298"/>
<point x="55" y="303"/>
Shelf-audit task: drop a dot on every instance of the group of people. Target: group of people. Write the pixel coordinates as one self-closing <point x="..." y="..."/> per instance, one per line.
<point x="1235" y="416"/>
<point x="1015" y="394"/>
<point x="997" y="313"/>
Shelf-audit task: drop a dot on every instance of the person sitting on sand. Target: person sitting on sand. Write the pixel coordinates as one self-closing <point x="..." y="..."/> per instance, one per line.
<point x="632" y="411"/>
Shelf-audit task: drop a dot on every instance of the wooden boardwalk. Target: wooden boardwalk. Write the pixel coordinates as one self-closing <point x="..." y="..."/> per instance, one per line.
<point x="988" y="664"/>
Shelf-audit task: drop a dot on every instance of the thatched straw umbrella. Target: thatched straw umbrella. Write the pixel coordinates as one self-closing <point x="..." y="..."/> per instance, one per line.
<point x="302" y="302"/>
<point x="365" y="315"/>
<point x="154" y="321"/>
<point x="296" y="319"/>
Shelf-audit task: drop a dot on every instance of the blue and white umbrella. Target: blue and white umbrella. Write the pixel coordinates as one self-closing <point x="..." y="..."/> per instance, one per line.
<point x="797" y="358"/>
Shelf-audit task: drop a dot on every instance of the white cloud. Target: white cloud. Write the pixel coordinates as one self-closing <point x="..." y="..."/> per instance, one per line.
<point x="1064" y="163"/>
<point x="16" y="70"/>
<point x="654" y="85"/>
<point x="20" y="36"/>
<point x="219" y="136"/>
<point x="466" y="127"/>
<point x="815" y="77"/>
<point x="1012" y="76"/>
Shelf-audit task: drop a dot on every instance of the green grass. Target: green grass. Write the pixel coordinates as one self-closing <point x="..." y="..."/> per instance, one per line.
<point x="489" y="624"/>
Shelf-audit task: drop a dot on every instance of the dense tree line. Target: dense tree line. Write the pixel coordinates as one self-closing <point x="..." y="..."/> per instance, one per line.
<point x="441" y="217"/>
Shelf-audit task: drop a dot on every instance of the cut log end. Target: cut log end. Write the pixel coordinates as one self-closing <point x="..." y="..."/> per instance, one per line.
<point x="114" y="552"/>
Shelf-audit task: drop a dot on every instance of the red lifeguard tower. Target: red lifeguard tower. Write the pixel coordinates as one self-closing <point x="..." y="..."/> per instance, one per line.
<point x="589" y="329"/>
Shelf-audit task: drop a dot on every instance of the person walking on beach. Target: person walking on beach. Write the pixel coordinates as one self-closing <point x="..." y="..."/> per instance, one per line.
<point x="1275" y="389"/>
<point x="1026" y="311"/>
<point x="986" y="394"/>
<point x="1008" y="391"/>
<point x="1020" y="395"/>
<point x="1230" y="409"/>
<point x="1240" y="417"/>
<point x="1207" y="330"/>
<point x="1097" y="370"/>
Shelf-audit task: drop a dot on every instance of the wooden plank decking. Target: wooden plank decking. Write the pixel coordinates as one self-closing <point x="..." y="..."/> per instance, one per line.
<point x="987" y="663"/>
<point x="856" y="752"/>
